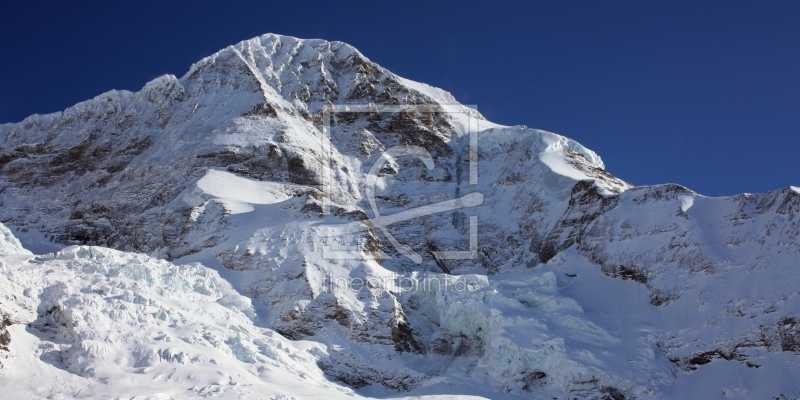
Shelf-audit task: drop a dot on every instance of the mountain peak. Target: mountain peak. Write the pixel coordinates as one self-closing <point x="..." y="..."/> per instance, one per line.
<point x="411" y="247"/>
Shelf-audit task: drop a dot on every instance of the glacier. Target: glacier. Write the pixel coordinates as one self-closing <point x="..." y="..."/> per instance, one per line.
<point x="179" y="254"/>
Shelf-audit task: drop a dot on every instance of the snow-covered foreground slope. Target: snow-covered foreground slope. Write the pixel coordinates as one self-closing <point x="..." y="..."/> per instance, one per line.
<point x="92" y="322"/>
<point x="114" y="324"/>
<point x="267" y="164"/>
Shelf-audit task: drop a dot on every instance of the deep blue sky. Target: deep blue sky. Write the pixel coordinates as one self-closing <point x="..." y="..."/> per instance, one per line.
<point x="705" y="94"/>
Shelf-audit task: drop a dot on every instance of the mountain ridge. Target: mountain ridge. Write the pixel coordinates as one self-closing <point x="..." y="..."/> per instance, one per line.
<point x="227" y="167"/>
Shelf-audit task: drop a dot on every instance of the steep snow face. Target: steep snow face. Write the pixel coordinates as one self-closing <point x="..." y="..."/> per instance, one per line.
<point x="243" y="165"/>
<point x="739" y="252"/>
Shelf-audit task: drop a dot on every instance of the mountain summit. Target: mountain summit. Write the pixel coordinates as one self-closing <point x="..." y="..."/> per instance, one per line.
<point x="324" y="228"/>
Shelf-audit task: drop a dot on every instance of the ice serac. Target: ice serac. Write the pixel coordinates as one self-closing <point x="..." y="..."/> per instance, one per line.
<point x="112" y="324"/>
<point x="9" y="244"/>
<point x="15" y="307"/>
<point x="580" y="285"/>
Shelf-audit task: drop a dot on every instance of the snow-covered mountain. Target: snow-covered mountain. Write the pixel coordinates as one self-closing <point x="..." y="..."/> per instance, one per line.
<point x="256" y="199"/>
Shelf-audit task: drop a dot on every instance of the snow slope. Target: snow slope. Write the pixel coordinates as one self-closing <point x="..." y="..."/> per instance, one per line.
<point x="123" y="325"/>
<point x="119" y="324"/>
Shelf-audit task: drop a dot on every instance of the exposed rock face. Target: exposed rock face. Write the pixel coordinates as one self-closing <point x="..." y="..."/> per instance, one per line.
<point x="240" y="161"/>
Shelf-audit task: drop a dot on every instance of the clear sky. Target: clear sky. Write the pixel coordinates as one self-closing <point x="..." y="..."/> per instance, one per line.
<point x="701" y="93"/>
